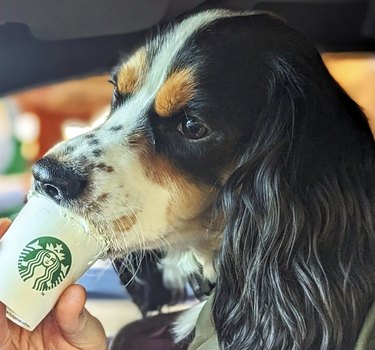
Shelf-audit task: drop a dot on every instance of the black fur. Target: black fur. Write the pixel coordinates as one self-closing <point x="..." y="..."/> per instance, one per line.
<point x="144" y="281"/>
<point x="297" y="261"/>
<point x="296" y="266"/>
<point x="293" y="158"/>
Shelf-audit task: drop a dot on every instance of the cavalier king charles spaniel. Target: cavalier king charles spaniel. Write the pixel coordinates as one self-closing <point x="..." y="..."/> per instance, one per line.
<point x="231" y="149"/>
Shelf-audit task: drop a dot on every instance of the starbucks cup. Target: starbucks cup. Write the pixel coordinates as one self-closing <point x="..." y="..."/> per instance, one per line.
<point x="45" y="250"/>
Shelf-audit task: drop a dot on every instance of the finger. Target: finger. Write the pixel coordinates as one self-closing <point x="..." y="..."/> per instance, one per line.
<point x="4" y="334"/>
<point x="78" y="326"/>
<point x="4" y="225"/>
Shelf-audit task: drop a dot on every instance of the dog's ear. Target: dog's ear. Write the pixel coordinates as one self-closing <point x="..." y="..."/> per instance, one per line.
<point x="254" y="201"/>
<point x="286" y="192"/>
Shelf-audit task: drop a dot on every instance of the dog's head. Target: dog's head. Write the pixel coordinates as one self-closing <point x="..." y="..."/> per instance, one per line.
<point x="184" y="108"/>
<point x="232" y="113"/>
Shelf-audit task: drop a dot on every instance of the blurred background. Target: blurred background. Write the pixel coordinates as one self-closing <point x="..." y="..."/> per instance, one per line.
<point x="54" y="64"/>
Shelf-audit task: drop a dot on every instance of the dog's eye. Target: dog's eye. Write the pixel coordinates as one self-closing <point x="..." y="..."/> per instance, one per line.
<point x="114" y="83"/>
<point x="193" y="129"/>
<point x="116" y="94"/>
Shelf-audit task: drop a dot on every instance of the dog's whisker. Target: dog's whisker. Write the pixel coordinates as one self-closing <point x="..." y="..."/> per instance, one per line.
<point x="256" y="175"/>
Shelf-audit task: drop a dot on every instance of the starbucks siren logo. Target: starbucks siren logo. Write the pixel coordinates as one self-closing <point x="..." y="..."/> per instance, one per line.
<point x="44" y="262"/>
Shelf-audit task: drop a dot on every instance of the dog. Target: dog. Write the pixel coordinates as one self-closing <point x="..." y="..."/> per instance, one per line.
<point x="231" y="149"/>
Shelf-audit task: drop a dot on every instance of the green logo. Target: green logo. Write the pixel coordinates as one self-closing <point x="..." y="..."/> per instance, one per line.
<point x="44" y="262"/>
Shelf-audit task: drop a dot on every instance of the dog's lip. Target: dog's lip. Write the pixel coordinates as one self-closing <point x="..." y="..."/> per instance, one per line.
<point x="87" y="226"/>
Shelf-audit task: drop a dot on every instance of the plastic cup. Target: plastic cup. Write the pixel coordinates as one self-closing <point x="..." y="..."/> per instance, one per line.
<point x="45" y="250"/>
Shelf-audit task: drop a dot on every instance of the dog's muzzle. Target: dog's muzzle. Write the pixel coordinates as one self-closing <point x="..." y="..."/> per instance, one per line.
<point x="57" y="180"/>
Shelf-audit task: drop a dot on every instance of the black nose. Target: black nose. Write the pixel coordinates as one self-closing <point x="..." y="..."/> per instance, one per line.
<point x="57" y="180"/>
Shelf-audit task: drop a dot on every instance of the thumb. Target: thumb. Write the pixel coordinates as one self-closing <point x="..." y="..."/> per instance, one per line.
<point x="77" y="325"/>
<point x="4" y="225"/>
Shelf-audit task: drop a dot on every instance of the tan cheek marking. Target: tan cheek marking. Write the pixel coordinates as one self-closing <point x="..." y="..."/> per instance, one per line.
<point x="129" y="77"/>
<point x="124" y="223"/>
<point x="176" y="92"/>
<point x="188" y="200"/>
<point x="158" y="169"/>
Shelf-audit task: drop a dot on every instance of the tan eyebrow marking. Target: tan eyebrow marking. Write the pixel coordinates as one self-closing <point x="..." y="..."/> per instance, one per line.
<point x="131" y="72"/>
<point x="176" y="92"/>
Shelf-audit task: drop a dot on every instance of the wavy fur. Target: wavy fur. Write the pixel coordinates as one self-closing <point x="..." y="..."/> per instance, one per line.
<point x="298" y="256"/>
<point x="285" y="157"/>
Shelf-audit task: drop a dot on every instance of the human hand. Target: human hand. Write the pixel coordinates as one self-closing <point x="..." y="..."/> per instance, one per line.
<point x="69" y="326"/>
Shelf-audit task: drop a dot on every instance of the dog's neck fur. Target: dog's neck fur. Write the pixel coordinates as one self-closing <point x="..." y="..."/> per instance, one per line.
<point x="295" y="260"/>
<point x="196" y="257"/>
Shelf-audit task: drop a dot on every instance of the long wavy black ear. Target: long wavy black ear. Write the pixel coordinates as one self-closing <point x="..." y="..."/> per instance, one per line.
<point x="298" y="242"/>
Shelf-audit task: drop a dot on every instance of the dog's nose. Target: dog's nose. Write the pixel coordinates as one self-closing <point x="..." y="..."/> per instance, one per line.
<point x="57" y="180"/>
